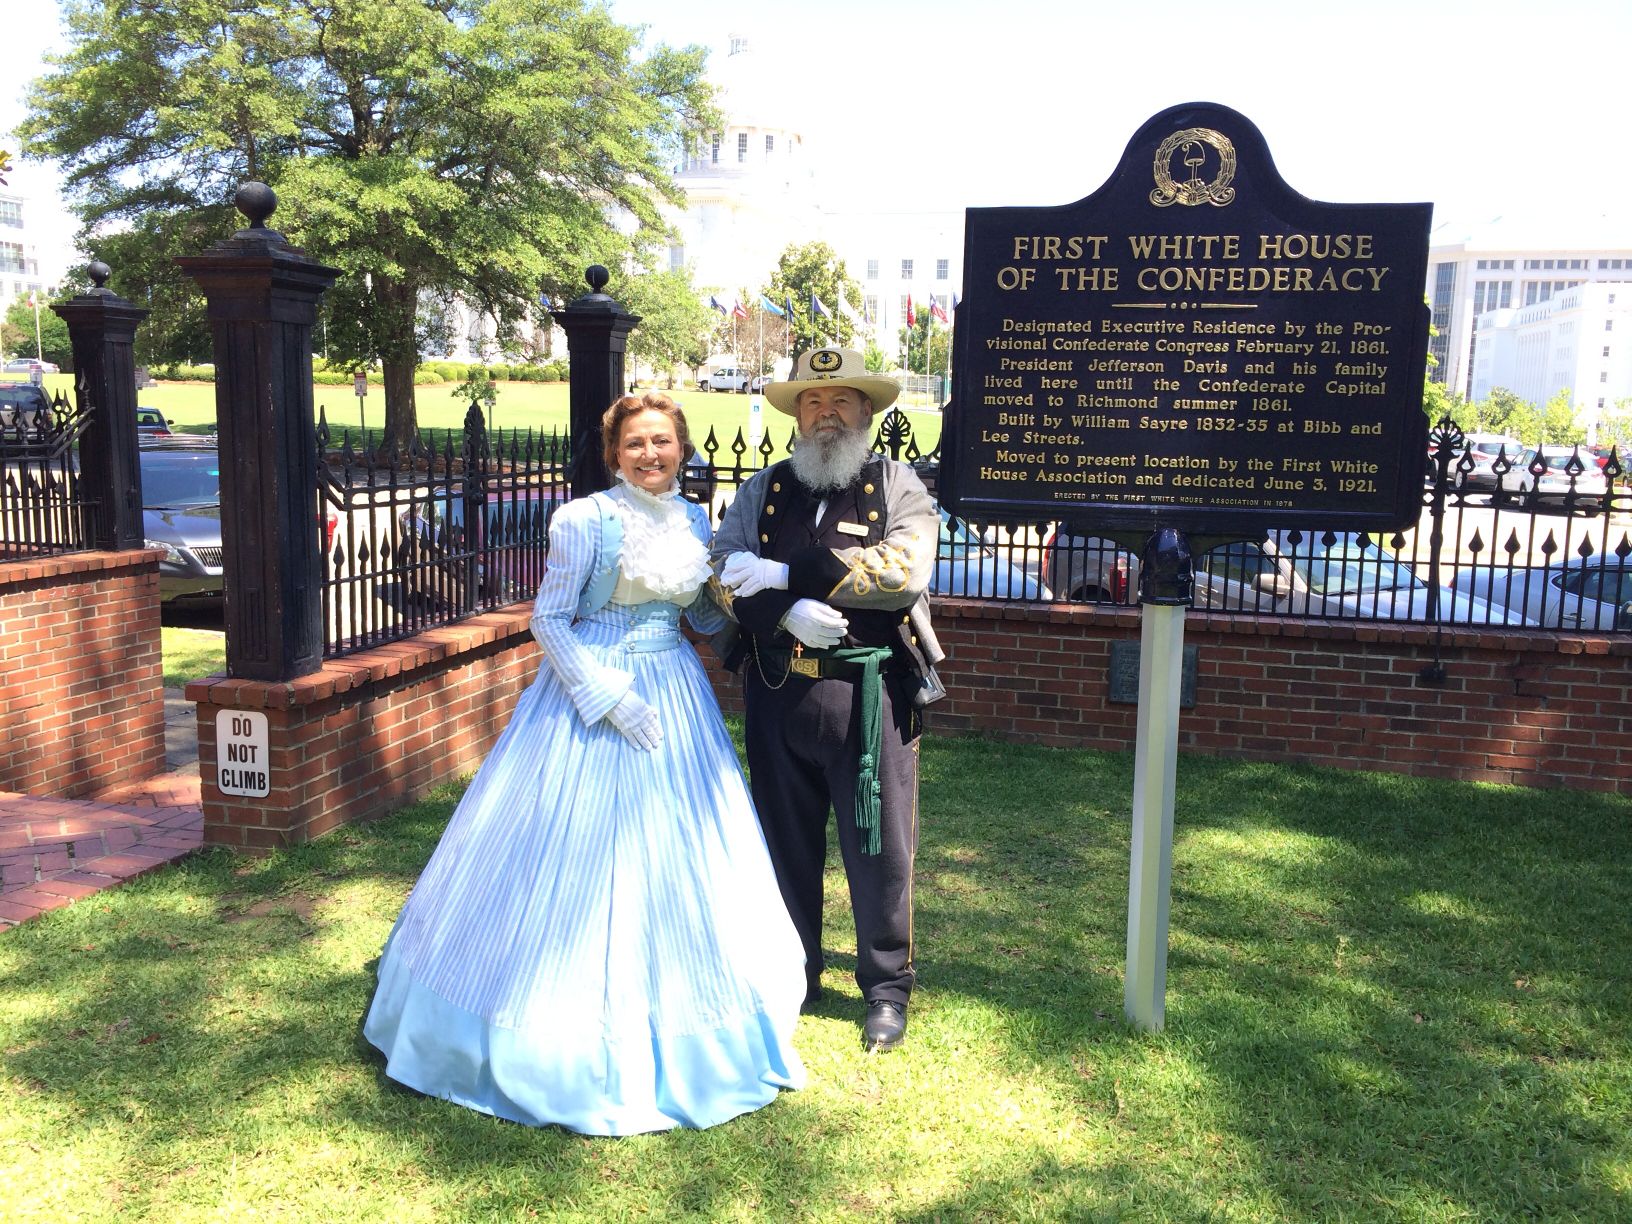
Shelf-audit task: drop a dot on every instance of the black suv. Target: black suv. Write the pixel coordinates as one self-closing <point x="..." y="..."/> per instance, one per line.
<point x="24" y="406"/>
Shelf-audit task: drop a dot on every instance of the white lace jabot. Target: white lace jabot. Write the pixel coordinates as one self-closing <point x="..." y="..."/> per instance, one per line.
<point x="661" y="558"/>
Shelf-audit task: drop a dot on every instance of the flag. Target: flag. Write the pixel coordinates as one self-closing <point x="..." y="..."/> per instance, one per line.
<point x="847" y="310"/>
<point x="912" y="317"/>
<point x="737" y="310"/>
<point x="714" y="303"/>
<point x="766" y="304"/>
<point x="936" y="310"/>
<point x="817" y="310"/>
<point x="787" y="304"/>
<point x="33" y="302"/>
<point x="956" y="301"/>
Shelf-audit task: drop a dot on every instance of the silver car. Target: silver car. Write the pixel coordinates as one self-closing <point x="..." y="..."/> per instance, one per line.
<point x="1582" y="593"/>
<point x="1338" y="575"/>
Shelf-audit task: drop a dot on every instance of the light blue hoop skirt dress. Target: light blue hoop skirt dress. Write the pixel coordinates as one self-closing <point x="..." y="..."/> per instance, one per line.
<point x="598" y="940"/>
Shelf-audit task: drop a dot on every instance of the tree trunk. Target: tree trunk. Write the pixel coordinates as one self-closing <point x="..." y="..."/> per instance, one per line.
<point x="401" y="414"/>
<point x="396" y="303"/>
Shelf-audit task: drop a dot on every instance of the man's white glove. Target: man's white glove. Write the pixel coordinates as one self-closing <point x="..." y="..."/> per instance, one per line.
<point x="747" y="574"/>
<point x="636" y="721"/>
<point x="815" y="623"/>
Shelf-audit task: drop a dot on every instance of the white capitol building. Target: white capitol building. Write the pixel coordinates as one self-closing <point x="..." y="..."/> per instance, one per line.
<point x="755" y="188"/>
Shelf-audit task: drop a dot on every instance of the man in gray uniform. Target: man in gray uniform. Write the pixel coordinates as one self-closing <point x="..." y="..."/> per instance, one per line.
<point x="828" y="555"/>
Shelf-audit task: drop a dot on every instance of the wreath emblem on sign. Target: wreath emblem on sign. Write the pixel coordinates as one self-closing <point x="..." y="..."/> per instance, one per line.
<point x="825" y="361"/>
<point x="1192" y="145"/>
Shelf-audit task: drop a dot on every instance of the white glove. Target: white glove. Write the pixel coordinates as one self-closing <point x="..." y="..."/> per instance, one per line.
<point x="815" y="624"/>
<point x="636" y="721"/>
<point x="747" y="574"/>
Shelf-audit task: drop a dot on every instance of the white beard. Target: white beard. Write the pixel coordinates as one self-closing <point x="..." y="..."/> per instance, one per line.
<point x="831" y="459"/>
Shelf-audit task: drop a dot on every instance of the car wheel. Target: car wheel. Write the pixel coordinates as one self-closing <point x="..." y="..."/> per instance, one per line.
<point x="703" y="386"/>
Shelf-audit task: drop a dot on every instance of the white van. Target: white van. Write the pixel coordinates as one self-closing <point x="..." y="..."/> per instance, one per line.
<point x="730" y="378"/>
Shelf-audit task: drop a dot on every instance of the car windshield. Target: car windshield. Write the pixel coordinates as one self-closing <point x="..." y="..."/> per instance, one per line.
<point x="956" y="535"/>
<point x="1348" y="567"/>
<point x="180" y="479"/>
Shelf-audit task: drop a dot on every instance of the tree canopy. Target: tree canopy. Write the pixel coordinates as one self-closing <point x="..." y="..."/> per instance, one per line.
<point x="479" y="150"/>
<point x="17" y="334"/>
<point x="815" y="270"/>
<point x="674" y="323"/>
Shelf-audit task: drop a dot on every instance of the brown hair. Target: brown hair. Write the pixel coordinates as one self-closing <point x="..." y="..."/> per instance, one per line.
<point x="630" y="405"/>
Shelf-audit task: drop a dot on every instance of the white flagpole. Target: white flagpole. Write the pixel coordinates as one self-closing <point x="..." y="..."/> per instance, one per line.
<point x="39" y="349"/>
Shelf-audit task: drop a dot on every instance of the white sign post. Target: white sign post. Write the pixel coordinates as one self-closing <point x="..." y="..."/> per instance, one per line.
<point x="1164" y="595"/>
<point x="756" y="421"/>
<point x="242" y="754"/>
<point x="359" y="384"/>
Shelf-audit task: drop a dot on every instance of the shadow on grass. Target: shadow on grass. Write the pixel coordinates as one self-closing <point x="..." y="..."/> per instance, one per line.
<point x="1385" y="997"/>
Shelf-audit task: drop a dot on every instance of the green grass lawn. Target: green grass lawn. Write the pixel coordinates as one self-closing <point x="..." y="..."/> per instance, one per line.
<point x="191" y="653"/>
<point x="1388" y="999"/>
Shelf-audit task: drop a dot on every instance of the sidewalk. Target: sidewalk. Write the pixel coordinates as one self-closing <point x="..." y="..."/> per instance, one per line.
<point x="55" y="851"/>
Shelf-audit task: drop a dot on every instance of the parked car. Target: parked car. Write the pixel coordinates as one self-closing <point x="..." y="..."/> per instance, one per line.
<point x="1549" y="474"/>
<point x="23" y="406"/>
<point x="181" y="513"/>
<point x="30" y="365"/>
<point x="151" y="423"/>
<point x="432" y="549"/>
<point x="1593" y="593"/>
<point x="965" y="565"/>
<point x="1483" y="451"/>
<point x="1284" y="572"/>
<point x="731" y="378"/>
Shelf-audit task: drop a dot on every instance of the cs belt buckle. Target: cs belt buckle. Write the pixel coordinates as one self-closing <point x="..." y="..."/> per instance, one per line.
<point x="809" y="668"/>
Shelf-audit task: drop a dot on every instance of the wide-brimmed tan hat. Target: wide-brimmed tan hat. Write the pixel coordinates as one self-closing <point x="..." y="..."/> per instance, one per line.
<point x="827" y="367"/>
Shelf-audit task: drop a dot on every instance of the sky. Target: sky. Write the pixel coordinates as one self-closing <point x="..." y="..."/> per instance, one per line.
<point x="1483" y="109"/>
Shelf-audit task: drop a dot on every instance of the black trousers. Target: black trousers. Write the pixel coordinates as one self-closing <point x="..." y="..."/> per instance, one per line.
<point x="803" y="749"/>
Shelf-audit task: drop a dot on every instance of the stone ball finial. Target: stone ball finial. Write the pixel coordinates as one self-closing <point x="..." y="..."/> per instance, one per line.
<point x="256" y="201"/>
<point x="597" y="276"/>
<point x="99" y="273"/>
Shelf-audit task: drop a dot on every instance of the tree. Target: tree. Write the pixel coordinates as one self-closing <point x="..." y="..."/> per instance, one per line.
<point x="17" y="333"/>
<point x="926" y="344"/>
<point x="815" y="269"/>
<point x="1556" y="422"/>
<point x="674" y="323"/>
<point x="477" y="150"/>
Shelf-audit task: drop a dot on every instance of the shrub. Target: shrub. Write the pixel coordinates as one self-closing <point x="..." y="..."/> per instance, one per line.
<point x="551" y="375"/>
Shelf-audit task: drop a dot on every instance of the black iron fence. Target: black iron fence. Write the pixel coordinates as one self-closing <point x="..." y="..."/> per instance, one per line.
<point x="1538" y="538"/>
<point x="435" y="533"/>
<point x="42" y="500"/>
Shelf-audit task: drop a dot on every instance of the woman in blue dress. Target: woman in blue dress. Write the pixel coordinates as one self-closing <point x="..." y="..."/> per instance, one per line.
<point x="598" y="940"/>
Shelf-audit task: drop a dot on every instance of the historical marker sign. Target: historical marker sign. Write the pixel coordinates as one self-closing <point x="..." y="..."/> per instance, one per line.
<point x="1195" y="345"/>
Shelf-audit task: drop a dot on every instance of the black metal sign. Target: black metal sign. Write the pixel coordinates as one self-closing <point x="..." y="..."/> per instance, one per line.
<point x="1195" y="345"/>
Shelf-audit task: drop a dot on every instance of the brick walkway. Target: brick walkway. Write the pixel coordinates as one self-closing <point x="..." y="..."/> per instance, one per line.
<point x="54" y="851"/>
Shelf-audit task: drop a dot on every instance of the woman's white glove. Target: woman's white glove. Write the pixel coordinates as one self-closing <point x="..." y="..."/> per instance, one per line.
<point x="636" y="721"/>
<point x="815" y="623"/>
<point x="747" y="574"/>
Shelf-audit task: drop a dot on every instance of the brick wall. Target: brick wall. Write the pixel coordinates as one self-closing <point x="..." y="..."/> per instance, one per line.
<point x="1533" y="709"/>
<point x="81" y="672"/>
<point x="368" y="733"/>
<point x="376" y="730"/>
